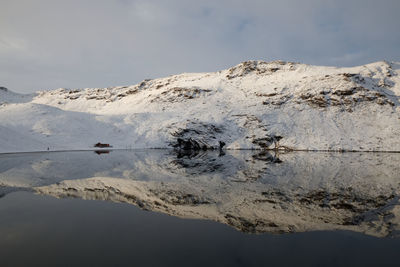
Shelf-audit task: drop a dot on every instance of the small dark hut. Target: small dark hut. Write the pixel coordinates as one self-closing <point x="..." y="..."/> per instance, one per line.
<point x="102" y="145"/>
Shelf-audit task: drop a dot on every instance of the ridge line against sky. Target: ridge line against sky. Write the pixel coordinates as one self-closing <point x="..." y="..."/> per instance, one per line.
<point x="47" y="44"/>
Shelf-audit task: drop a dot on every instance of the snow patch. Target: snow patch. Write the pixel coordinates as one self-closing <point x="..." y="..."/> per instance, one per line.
<point x="252" y="105"/>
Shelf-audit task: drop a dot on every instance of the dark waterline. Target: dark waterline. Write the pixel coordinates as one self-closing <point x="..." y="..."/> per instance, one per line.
<point x="45" y="231"/>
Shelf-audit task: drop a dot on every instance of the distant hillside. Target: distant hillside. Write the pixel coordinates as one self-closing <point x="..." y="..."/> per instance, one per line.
<point x="254" y="105"/>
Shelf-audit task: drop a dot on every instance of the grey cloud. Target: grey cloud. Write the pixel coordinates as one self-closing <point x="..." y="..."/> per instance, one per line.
<point x="50" y="44"/>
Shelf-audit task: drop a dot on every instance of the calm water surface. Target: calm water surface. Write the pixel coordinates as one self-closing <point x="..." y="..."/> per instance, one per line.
<point x="160" y="208"/>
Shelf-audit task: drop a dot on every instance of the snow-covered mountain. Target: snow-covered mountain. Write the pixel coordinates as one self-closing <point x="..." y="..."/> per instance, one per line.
<point x="253" y="191"/>
<point x="252" y="105"/>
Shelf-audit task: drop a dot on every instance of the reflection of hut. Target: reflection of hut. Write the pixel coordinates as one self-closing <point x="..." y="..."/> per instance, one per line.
<point x="99" y="152"/>
<point x="102" y="145"/>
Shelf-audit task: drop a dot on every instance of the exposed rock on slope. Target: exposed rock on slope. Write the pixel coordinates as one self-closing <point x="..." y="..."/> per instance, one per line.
<point x="259" y="105"/>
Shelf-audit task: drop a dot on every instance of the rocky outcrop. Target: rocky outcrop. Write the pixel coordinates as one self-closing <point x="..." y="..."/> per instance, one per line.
<point x="248" y="106"/>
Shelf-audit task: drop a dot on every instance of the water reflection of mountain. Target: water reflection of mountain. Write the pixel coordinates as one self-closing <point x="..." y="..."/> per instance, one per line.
<point x="252" y="191"/>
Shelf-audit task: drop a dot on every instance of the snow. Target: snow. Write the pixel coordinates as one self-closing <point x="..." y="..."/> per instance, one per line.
<point x="247" y="107"/>
<point x="252" y="191"/>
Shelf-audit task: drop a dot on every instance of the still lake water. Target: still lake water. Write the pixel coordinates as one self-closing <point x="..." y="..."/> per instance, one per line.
<point x="160" y="208"/>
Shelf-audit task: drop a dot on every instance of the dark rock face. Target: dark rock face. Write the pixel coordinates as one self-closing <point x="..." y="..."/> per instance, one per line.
<point x="3" y="88"/>
<point x="191" y="147"/>
<point x="259" y="67"/>
<point x="189" y="144"/>
<point x="198" y="136"/>
<point x="180" y="94"/>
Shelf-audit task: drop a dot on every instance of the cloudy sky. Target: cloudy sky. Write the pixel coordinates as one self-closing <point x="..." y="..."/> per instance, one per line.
<point x="47" y="44"/>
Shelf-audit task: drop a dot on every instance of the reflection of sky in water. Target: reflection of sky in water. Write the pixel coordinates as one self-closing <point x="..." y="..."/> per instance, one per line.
<point x="252" y="191"/>
<point x="308" y="170"/>
<point x="44" y="231"/>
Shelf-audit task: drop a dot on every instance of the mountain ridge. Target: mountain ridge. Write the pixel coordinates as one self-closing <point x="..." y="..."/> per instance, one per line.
<point x="248" y="106"/>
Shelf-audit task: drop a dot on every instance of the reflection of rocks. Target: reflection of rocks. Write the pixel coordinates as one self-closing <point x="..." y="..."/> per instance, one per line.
<point x="252" y="206"/>
<point x="243" y="208"/>
<point x="194" y="162"/>
<point x="187" y="153"/>
<point x="253" y="191"/>
<point x="266" y="156"/>
<point x="180" y="198"/>
<point x="197" y="162"/>
<point x="4" y="190"/>
<point x="251" y="226"/>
